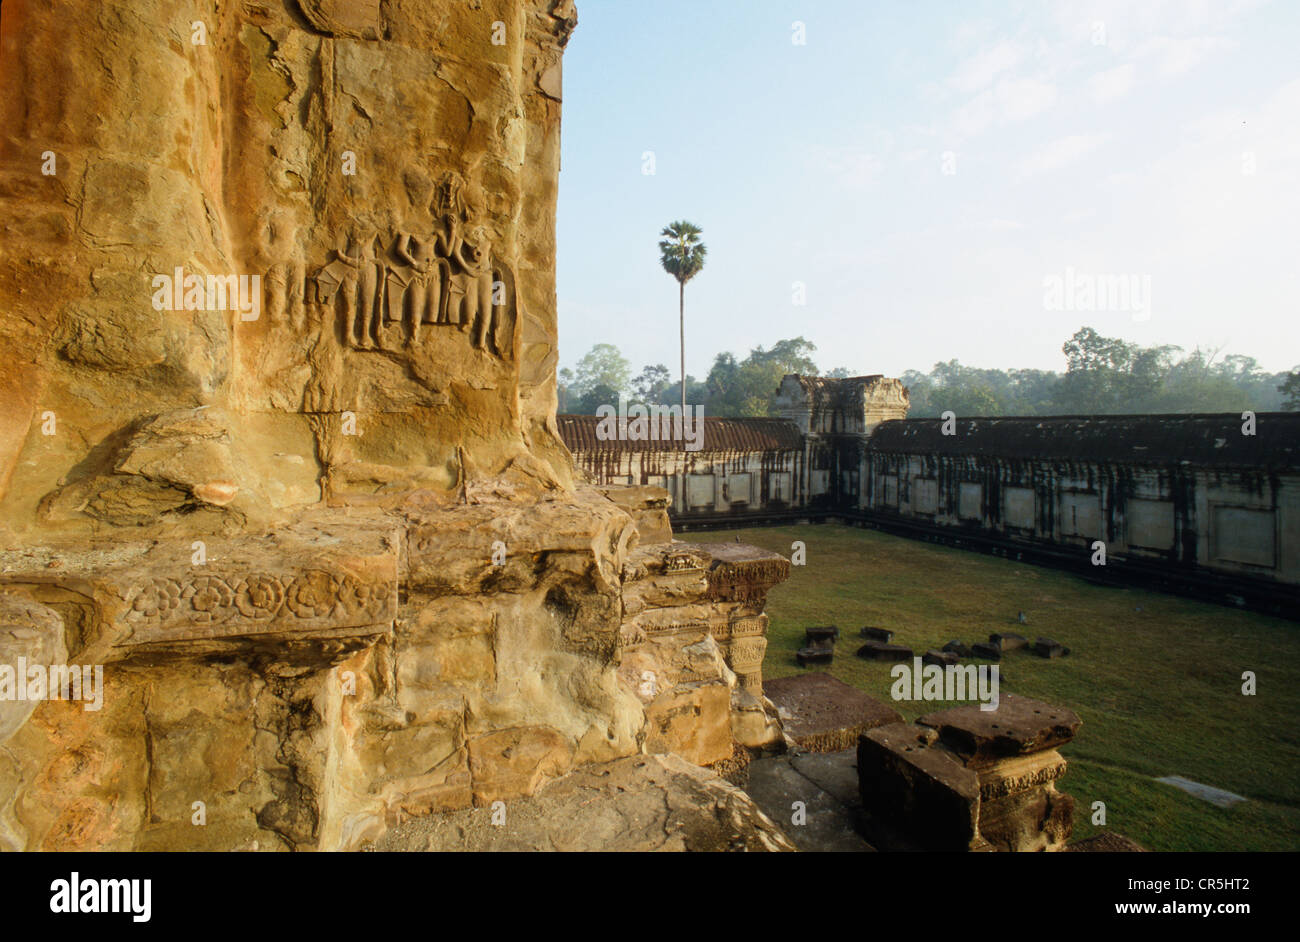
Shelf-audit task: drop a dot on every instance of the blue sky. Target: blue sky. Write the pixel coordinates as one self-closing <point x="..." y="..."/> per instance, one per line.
<point x="924" y="169"/>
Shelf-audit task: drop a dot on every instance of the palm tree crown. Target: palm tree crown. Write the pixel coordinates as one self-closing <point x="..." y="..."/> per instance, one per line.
<point x="681" y="251"/>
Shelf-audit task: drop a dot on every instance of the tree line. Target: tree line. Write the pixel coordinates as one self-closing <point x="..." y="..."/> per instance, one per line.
<point x="1103" y="375"/>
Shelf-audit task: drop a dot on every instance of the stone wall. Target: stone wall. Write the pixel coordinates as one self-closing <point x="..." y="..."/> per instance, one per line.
<point x="318" y="535"/>
<point x="743" y="467"/>
<point x="1187" y="502"/>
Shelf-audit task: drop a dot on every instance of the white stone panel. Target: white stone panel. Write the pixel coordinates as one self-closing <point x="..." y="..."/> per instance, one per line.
<point x="1018" y="507"/>
<point x="1242" y="535"/>
<point x="1150" y="523"/>
<point x="1081" y="515"/>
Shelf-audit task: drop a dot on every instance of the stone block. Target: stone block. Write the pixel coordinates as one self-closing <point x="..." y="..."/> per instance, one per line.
<point x="916" y="796"/>
<point x="883" y="635"/>
<point x="987" y="650"/>
<point x="822" y="714"/>
<point x="693" y="721"/>
<point x="940" y="658"/>
<point x="648" y="508"/>
<point x="510" y="763"/>
<point x="1018" y="726"/>
<point x="821" y="636"/>
<point x="1046" y="647"/>
<point x="880" y="651"/>
<point x="814" y="654"/>
<point x="1008" y="641"/>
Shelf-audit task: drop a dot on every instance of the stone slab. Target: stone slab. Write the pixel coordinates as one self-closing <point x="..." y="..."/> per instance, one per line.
<point x="829" y="815"/>
<point x="1009" y="641"/>
<point x="823" y="635"/>
<point x="1215" y="796"/>
<point x="1018" y="726"/>
<point x="940" y="658"/>
<point x="880" y="651"/>
<point x="814" y="655"/>
<point x="822" y="714"/>
<point x="1046" y="647"/>
<point x="835" y="773"/>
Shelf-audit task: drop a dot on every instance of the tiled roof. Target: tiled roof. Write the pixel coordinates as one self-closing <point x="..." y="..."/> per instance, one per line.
<point x="733" y="435"/>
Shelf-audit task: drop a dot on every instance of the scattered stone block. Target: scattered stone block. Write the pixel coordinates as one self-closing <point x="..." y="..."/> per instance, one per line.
<point x="1009" y="641"/>
<point x="941" y="658"/>
<point x="823" y="637"/>
<point x="987" y="650"/>
<point x="822" y="714"/>
<point x="880" y="651"/>
<point x="878" y="634"/>
<point x="814" y="654"/>
<point x="959" y="648"/>
<point x="1046" y="647"/>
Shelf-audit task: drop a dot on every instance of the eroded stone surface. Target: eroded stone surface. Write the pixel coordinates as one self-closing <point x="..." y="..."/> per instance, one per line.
<point x="641" y="803"/>
<point x="278" y="446"/>
<point x="1018" y="726"/>
<point x="822" y="714"/>
<point x="814" y="796"/>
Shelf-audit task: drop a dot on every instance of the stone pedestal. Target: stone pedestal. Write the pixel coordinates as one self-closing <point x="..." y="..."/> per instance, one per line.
<point x="966" y="779"/>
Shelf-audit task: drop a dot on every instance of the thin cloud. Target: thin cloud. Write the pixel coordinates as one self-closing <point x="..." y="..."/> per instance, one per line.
<point x="1061" y="153"/>
<point x="1112" y="84"/>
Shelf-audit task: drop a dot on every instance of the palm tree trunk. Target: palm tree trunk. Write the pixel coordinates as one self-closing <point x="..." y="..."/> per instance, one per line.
<point x="681" y="305"/>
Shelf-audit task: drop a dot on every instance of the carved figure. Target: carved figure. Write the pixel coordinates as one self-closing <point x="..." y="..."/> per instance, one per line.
<point x="384" y="286"/>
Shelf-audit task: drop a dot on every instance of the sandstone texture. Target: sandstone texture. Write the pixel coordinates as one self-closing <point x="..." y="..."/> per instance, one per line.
<point x="821" y="714"/>
<point x="641" y="804"/>
<point x="278" y="447"/>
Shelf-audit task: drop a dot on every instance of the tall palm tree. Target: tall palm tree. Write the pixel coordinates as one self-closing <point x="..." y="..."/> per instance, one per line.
<point x="682" y="255"/>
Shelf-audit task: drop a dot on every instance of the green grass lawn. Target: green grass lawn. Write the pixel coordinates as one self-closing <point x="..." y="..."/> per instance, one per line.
<point x="1156" y="678"/>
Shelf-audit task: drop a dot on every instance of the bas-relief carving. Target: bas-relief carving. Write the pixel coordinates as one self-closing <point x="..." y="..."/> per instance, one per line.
<point x="390" y="290"/>
<point x="682" y="561"/>
<point x="215" y="606"/>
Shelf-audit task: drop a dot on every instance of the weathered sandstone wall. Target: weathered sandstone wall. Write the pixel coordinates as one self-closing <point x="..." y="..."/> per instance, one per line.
<point x="322" y="538"/>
